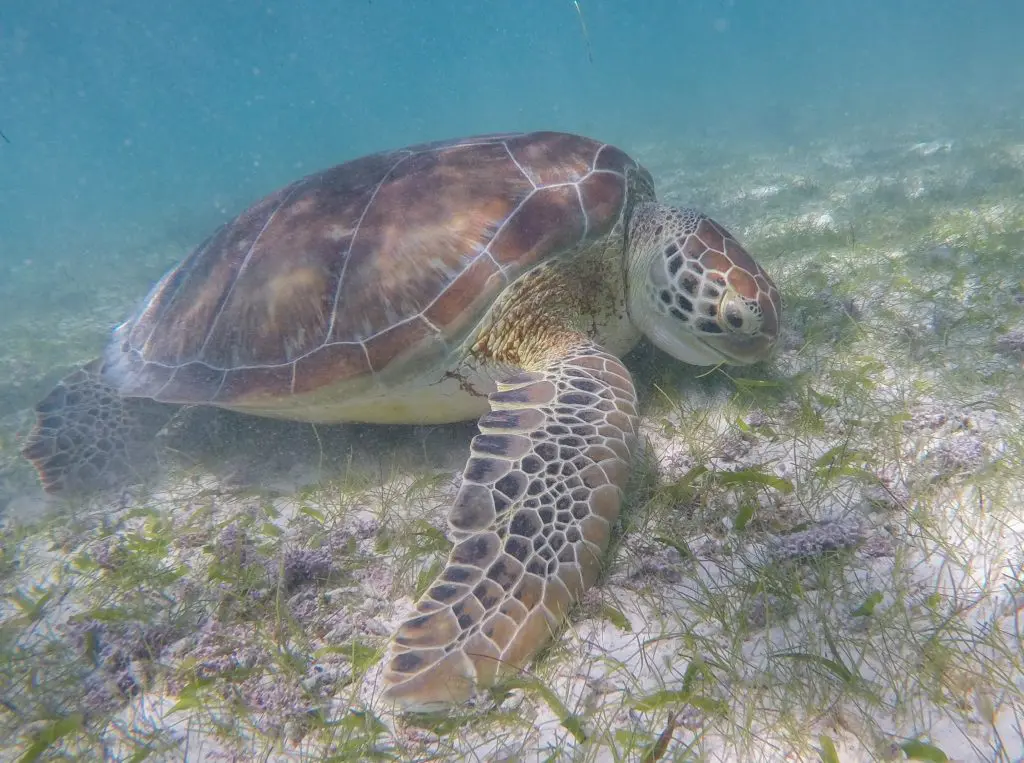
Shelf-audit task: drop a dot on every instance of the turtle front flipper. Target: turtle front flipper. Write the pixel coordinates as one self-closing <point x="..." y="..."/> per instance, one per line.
<point x="542" y="488"/>
<point x="88" y="438"/>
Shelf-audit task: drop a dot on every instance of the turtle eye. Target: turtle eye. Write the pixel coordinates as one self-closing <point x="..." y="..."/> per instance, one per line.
<point x="733" y="315"/>
<point x="739" y="315"/>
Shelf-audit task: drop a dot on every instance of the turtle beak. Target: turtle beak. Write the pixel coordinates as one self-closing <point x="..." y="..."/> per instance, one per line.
<point x="745" y="351"/>
<point x="686" y="346"/>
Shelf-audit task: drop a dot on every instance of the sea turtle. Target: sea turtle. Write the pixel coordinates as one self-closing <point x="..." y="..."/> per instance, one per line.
<point x="499" y="276"/>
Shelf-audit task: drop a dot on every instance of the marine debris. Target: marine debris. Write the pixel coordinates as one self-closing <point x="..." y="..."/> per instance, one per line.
<point x="583" y="26"/>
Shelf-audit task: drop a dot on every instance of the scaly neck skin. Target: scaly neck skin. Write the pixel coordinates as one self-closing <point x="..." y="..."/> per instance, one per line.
<point x="643" y="245"/>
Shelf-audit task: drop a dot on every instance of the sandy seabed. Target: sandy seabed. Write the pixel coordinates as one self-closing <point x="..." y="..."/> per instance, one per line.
<point x="856" y="584"/>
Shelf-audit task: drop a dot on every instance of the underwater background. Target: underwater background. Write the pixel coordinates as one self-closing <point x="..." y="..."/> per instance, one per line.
<point x="134" y="129"/>
<point x="132" y="119"/>
<point x="869" y="153"/>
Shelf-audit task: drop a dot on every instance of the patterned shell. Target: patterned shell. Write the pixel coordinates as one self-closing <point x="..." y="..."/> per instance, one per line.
<point x="385" y="260"/>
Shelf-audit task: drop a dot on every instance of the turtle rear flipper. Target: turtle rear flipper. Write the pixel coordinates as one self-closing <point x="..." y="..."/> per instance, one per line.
<point x="541" y="491"/>
<point x="88" y="438"/>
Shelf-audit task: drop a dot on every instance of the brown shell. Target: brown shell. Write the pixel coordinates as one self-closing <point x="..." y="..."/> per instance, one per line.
<point x="351" y="270"/>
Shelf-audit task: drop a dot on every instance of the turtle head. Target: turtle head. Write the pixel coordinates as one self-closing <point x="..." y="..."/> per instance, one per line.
<point x="695" y="292"/>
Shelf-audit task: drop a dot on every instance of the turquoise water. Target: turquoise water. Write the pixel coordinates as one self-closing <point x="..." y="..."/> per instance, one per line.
<point x="163" y="118"/>
<point x="869" y="152"/>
